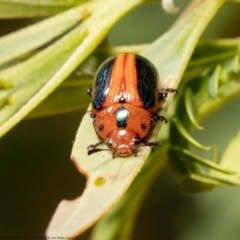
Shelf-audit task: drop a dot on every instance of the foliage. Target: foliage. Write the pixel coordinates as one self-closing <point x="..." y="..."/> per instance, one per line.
<point x="49" y="63"/>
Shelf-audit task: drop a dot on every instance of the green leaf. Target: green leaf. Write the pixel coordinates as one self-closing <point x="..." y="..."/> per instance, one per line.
<point x="204" y="162"/>
<point x="187" y="136"/>
<point x="205" y="182"/>
<point x="34" y="8"/>
<point x="46" y="2"/>
<point x="191" y="176"/>
<point x="214" y="82"/>
<point x="108" y="51"/>
<point x="70" y="96"/>
<point x="28" y="77"/>
<point x="196" y="183"/>
<point x="180" y="42"/>
<point x="16" y="44"/>
<point x="34" y="79"/>
<point x="227" y="91"/>
<point x="234" y="65"/>
<point x="190" y="104"/>
<point x="108" y="179"/>
<point x="118" y="223"/>
<point x="231" y="156"/>
<point x="210" y="53"/>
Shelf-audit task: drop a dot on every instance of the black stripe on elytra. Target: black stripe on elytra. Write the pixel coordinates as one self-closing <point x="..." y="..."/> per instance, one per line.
<point x="147" y="77"/>
<point x="101" y="83"/>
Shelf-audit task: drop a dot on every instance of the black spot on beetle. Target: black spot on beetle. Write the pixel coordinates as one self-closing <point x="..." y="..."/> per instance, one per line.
<point x="122" y="100"/>
<point x="101" y="128"/>
<point x="143" y="126"/>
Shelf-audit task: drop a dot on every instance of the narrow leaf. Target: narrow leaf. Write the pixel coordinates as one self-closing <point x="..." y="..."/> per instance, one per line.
<point x="205" y="182"/>
<point x="187" y="136"/>
<point x="196" y="183"/>
<point x="233" y="65"/>
<point x="214" y="82"/>
<point x="20" y="10"/>
<point x="189" y="104"/>
<point x="209" y="53"/>
<point x="55" y="63"/>
<point x="46" y="2"/>
<point x="27" y="78"/>
<point x="27" y="39"/>
<point x="70" y="96"/>
<point x="204" y="162"/>
<point x="34" y="8"/>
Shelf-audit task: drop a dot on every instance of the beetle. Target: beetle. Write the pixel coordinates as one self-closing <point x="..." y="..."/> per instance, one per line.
<point x="125" y="96"/>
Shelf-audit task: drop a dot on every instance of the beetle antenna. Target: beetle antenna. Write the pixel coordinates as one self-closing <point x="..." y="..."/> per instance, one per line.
<point x="94" y="150"/>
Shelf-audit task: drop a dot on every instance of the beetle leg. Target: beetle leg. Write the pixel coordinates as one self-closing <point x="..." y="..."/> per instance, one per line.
<point x="135" y="152"/>
<point x="155" y="117"/>
<point x="137" y="143"/>
<point x="89" y="91"/>
<point x="164" y="93"/>
<point x="93" y="146"/>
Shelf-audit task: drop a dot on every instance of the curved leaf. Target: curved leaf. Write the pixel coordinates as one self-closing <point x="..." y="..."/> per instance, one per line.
<point x="201" y="161"/>
<point x="187" y="136"/>
<point x="205" y="182"/>
<point x="189" y="172"/>
<point x="234" y="65"/>
<point x="231" y="156"/>
<point x="214" y="81"/>
<point x="189" y="104"/>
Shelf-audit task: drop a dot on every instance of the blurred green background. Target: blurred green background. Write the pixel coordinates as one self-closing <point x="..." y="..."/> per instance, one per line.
<point x="36" y="172"/>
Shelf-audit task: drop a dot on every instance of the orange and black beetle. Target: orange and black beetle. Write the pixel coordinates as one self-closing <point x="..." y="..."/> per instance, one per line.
<point x="125" y="96"/>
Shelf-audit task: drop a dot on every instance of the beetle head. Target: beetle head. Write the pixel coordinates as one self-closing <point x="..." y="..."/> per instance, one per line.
<point x="122" y="142"/>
